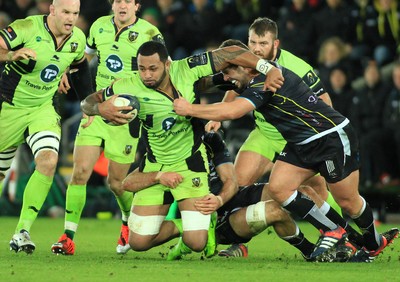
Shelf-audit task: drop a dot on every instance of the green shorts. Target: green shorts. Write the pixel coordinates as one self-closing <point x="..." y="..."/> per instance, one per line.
<point x="119" y="142"/>
<point x="194" y="184"/>
<point x="15" y="123"/>
<point x="263" y="145"/>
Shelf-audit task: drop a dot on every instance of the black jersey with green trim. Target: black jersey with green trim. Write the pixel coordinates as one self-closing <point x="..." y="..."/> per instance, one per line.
<point x="296" y="111"/>
<point x="117" y="48"/>
<point x="31" y="83"/>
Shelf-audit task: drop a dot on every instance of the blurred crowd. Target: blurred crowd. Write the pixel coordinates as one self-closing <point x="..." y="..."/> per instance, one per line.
<point x="345" y="40"/>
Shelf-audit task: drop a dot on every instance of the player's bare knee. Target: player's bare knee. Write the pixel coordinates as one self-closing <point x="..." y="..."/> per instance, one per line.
<point x="196" y="242"/>
<point x="80" y="175"/>
<point x="115" y="186"/>
<point x="46" y="162"/>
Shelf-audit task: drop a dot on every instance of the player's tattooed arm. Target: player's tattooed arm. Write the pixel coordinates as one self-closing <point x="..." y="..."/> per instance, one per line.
<point x="223" y="57"/>
<point x="90" y="105"/>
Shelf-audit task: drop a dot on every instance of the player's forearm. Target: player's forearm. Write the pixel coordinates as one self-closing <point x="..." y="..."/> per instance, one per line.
<point x="137" y="181"/>
<point x="90" y="105"/>
<point x="6" y="55"/>
<point x="229" y="189"/>
<point x="235" y="55"/>
<point x="226" y="173"/>
<point x="216" y="112"/>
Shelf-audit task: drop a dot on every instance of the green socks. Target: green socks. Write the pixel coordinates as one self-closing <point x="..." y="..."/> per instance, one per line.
<point x="76" y="199"/>
<point x="125" y="203"/>
<point x="35" y="194"/>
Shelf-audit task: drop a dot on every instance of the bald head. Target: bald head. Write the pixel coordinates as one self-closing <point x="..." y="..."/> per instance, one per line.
<point x="63" y="16"/>
<point x="60" y="2"/>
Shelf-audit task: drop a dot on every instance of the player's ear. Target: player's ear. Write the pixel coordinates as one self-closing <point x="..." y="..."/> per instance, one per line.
<point x="51" y="9"/>
<point x="167" y="64"/>
<point x="276" y="43"/>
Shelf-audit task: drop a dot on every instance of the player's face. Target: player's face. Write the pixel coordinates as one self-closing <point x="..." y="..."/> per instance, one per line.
<point x="264" y="46"/>
<point x="65" y="13"/>
<point x="236" y="75"/>
<point x="125" y="11"/>
<point x="152" y="71"/>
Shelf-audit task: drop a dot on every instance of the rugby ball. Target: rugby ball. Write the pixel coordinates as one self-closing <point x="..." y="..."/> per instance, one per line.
<point x="126" y="100"/>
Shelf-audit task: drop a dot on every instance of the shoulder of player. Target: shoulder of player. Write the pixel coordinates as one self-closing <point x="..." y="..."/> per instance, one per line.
<point x="291" y="61"/>
<point x="101" y="21"/>
<point x="144" y="23"/>
<point x="31" y="22"/>
<point x="131" y="82"/>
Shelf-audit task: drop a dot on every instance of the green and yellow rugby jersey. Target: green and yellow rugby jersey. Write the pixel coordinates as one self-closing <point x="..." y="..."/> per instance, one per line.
<point x="116" y="49"/>
<point x="30" y="83"/>
<point x="302" y="69"/>
<point x="170" y="138"/>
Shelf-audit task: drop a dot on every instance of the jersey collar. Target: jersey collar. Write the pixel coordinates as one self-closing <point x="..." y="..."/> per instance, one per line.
<point x="56" y="47"/>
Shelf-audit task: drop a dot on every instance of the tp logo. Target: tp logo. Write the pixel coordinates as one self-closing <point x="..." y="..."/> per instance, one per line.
<point x="49" y="73"/>
<point x="114" y="63"/>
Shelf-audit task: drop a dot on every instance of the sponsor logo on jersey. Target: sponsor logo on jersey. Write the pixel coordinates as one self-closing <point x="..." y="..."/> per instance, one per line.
<point x="196" y="182"/>
<point x="159" y="38"/>
<point x="133" y="35"/>
<point x="114" y="63"/>
<point x="312" y="99"/>
<point x="49" y="73"/>
<point x="197" y="60"/>
<point x="74" y="46"/>
<point x="168" y="123"/>
<point x="310" y="78"/>
<point x="330" y="167"/>
<point x="9" y="31"/>
<point x="38" y="38"/>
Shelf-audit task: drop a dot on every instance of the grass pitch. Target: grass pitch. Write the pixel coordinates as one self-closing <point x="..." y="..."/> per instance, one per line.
<point x="95" y="259"/>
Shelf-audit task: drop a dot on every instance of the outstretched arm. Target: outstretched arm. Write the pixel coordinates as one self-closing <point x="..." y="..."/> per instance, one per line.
<point x="218" y="111"/>
<point x="235" y="55"/>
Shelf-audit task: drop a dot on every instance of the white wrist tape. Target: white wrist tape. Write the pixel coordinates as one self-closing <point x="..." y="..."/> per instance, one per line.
<point x="263" y="66"/>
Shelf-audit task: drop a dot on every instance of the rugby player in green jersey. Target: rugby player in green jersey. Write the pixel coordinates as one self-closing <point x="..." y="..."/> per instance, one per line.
<point x="29" y="82"/>
<point x="114" y="39"/>
<point x="173" y="143"/>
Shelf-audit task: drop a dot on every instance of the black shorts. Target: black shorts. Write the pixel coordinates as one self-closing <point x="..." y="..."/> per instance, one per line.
<point x="246" y="196"/>
<point x="335" y="156"/>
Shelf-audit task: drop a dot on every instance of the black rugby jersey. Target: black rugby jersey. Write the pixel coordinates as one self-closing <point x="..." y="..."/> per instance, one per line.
<point x="298" y="114"/>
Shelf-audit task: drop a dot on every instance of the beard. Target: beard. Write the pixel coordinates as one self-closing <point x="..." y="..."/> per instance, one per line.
<point x="158" y="82"/>
<point x="270" y="55"/>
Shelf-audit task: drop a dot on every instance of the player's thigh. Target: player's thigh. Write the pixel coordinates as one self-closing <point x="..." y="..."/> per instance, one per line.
<point x="250" y="166"/>
<point x="281" y="186"/>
